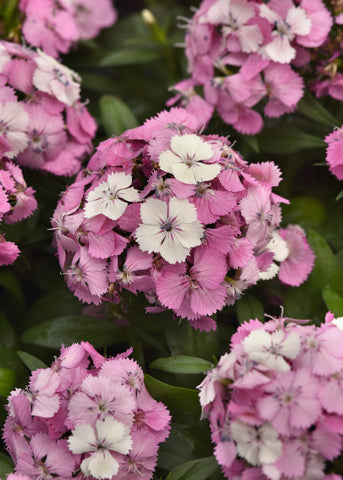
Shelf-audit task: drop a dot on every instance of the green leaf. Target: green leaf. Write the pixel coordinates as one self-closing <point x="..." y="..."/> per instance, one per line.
<point x="333" y="301"/>
<point x="339" y="196"/>
<point x="10" y="282"/>
<point x="249" y="307"/>
<point x="181" y="364"/>
<point x="306" y="301"/>
<point x="116" y="116"/>
<point x="30" y="361"/>
<point x="306" y="211"/>
<point x="6" y="465"/>
<point x="8" y="336"/>
<point x="71" y="329"/>
<point x="7" y="381"/>
<point x="130" y="56"/>
<point x="314" y="110"/>
<point x="327" y="272"/>
<point x="286" y="139"/>
<point x="199" y="469"/>
<point x="183" y="402"/>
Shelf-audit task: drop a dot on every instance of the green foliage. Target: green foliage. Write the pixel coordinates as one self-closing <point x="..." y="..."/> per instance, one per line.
<point x="116" y="117"/>
<point x="199" y="469"/>
<point x="249" y="307"/>
<point x="306" y="301"/>
<point x="71" y="329"/>
<point x="183" y="402"/>
<point x="181" y="364"/>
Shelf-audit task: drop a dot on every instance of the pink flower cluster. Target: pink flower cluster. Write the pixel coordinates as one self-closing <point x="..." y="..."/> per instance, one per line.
<point x="17" y="202"/>
<point x="55" y="25"/>
<point x="246" y="53"/>
<point x="275" y="402"/>
<point x="85" y="416"/>
<point x="42" y="118"/>
<point x="334" y="152"/>
<point x="179" y="216"/>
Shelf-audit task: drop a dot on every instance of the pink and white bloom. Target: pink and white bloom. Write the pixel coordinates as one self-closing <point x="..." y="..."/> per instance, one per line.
<point x="268" y="406"/>
<point x="110" y="198"/>
<point x="55" y="79"/>
<point x="106" y="436"/>
<point x="170" y="229"/>
<point x="187" y="159"/>
<point x="81" y="417"/>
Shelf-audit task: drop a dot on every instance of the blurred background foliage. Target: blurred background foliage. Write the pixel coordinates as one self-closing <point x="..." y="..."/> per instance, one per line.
<point x="126" y="73"/>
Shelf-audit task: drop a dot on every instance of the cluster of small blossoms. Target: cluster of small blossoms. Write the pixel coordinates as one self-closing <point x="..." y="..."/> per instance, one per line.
<point x="244" y="54"/>
<point x="17" y="202"/>
<point x="55" y="25"/>
<point x="334" y="152"/>
<point x="275" y="402"/>
<point x="179" y="216"/>
<point x="85" y="416"/>
<point x="41" y="115"/>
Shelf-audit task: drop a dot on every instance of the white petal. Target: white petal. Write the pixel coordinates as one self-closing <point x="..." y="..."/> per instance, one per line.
<point x="154" y="211"/>
<point x="129" y="194"/>
<point x="280" y="50"/>
<point x="190" y="235"/>
<point x="290" y="347"/>
<point x="185" y="173"/>
<point x="114" y="209"/>
<point x="100" y="465"/>
<point x="256" y="341"/>
<point x="173" y="251"/>
<point x="149" y="238"/>
<point x="299" y="21"/>
<point x="183" y="210"/>
<point x="167" y="160"/>
<point x="279" y="247"/>
<point x="189" y="145"/>
<point x="119" y="180"/>
<point x="114" y="435"/>
<point x="270" y="273"/>
<point x="82" y="439"/>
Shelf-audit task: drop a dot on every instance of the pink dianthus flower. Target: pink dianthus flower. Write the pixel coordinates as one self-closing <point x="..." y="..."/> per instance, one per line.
<point x="271" y="400"/>
<point x="79" y="416"/>
<point x="167" y="211"/>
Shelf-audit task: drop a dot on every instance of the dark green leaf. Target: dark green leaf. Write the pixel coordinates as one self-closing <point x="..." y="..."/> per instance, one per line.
<point x="6" y="465"/>
<point x="57" y="303"/>
<point x="116" y="116"/>
<point x="314" y="110"/>
<point x="181" y="364"/>
<point x="287" y="139"/>
<point x="183" y="402"/>
<point x="306" y="211"/>
<point x="333" y="302"/>
<point x="30" y="361"/>
<point x="130" y="56"/>
<point x="71" y="329"/>
<point x="249" y="307"/>
<point x="8" y="336"/>
<point x="7" y="381"/>
<point x="10" y="282"/>
<point x="306" y="301"/>
<point x="199" y="469"/>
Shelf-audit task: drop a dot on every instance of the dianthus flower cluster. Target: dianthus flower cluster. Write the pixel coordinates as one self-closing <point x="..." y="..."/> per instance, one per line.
<point x="17" y="202"/>
<point x="334" y="152"/>
<point x="275" y="402"/>
<point x="86" y="416"/>
<point x="42" y="118"/>
<point x="245" y="54"/>
<point x="179" y="216"/>
<point x="55" y="25"/>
